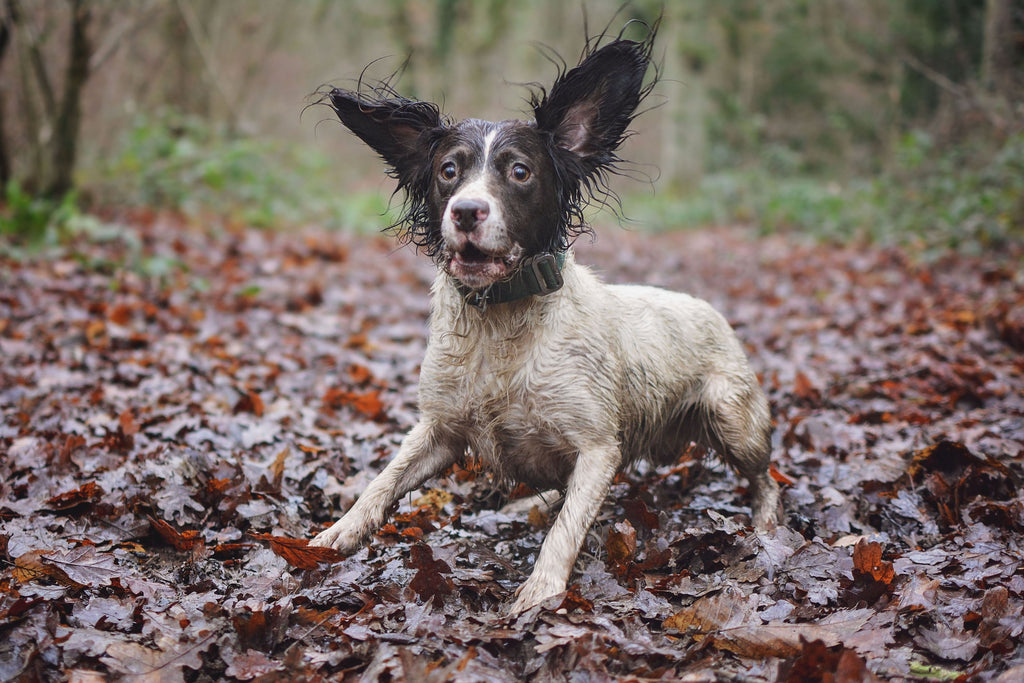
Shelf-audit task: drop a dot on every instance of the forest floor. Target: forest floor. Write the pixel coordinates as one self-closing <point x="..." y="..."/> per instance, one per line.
<point x="183" y="407"/>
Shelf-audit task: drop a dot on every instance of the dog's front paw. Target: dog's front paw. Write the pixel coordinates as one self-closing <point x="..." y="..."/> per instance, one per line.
<point x="536" y="590"/>
<point x="339" y="536"/>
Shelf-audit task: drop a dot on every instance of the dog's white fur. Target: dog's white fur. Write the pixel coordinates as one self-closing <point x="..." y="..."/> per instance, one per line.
<point x="566" y="389"/>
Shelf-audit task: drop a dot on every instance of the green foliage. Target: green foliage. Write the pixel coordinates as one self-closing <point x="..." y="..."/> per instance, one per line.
<point x="930" y="200"/>
<point x="953" y="198"/>
<point x="183" y="163"/>
<point x="34" y="221"/>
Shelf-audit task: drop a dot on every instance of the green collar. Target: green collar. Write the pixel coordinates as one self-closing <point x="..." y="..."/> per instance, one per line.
<point x="536" y="276"/>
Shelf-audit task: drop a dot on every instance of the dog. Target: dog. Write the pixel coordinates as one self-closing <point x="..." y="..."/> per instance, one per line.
<point x="550" y="377"/>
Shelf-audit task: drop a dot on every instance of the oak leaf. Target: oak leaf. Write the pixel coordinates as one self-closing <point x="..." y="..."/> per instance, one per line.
<point x="297" y="551"/>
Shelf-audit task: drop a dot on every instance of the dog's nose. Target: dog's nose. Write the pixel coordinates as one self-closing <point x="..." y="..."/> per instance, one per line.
<point x="468" y="213"/>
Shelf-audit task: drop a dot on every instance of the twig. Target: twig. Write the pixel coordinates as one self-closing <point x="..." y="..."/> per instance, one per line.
<point x="935" y="77"/>
<point x="196" y="31"/>
<point x="114" y="39"/>
<point x="35" y="56"/>
<point x="954" y="88"/>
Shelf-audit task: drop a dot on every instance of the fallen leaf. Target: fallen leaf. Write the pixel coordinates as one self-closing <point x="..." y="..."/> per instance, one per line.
<point x="85" y="565"/>
<point x="183" y="541"/>
<point x="160" y="664"/>
<point x="621" y="543"/>
<point x="431" y="580"/>
<point x="87" y="493"/>
<point x="31" y="566"/>
<point x="297" y="551"/>
<point x="867" y="559"/>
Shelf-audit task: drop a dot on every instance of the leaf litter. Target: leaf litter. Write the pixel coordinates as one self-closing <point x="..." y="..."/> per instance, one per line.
<point x="170" y="443"/>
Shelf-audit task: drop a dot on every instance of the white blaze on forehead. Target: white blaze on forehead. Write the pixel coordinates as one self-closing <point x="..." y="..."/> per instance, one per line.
<point x="478" y="186"/>
<point x="488" y="141"/>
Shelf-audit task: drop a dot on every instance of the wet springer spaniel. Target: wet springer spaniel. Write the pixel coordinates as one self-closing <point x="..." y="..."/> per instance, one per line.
<point x="547" y="375"/>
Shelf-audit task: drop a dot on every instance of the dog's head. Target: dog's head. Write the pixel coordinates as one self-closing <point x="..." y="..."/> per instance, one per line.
<point x="483" y="196"/>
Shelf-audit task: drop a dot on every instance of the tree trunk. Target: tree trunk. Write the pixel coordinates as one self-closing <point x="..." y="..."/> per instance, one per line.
<point x="69" y="117"/>
<point x="998" y="71"/>
<point x="5" y="159"/>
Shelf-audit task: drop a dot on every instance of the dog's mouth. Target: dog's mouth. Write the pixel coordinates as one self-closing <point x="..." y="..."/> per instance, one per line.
<point x="477" y="268"/>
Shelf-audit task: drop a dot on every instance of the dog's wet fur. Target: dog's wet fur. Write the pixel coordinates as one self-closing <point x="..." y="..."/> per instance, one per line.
<point x="560" y="390"/>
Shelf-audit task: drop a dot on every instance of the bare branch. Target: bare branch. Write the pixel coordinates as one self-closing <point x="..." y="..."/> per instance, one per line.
<point x="34" y="53"/>
<point x="206" y="54"/>
<point x="963" y="92"/>
<point x="116" y="37"/>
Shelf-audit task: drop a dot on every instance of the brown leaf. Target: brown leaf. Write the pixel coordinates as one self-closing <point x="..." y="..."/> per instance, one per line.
<point x="250" y="402"/>
<point x="119" y="441"/>
<point x="359" y="341"/>
<point x="621" y="543"/>
<point x="727" y="621"/>
<point x="708" y="614"/>
<point x="120" y="314"/>
<point x="71" y="444"/>
<point x="993" y="632"/>
<point x="182" y="541"/>
<point x="251" y="664"/>
<point x="435" y="499"/>
<point x="367" y="403"/>
<point x="818" y="663"/>
<point x="96" y="333"/>
<point x="360" y="374"/>
<point x="89" y="492"/>
<point x="422" y="518"/>
<point x="127" y="423"/>
<point x="867" y="559"/>
<point x="574" y="601"/>
<point x="160" y="664"/>
<point x="85" y="565"/>
<point x="31" y="566"/>
<point x="537" y="518"/>
<point x="639" y="514"/>
<point x="277" y="469"/>
<point x="804" y="389"/>
<point x="297" y="551"/>
<point x="431" y="580"/>
<point x="779" y="476"/>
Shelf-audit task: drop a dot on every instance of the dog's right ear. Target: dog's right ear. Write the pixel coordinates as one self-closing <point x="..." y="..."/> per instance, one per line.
<point x="400" y="130"/>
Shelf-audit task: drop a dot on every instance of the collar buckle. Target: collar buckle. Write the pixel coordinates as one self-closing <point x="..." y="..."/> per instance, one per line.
<point x="547" y="273"/>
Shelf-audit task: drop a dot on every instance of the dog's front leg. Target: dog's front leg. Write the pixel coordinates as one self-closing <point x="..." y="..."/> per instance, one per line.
<point x="588" y="485"/>
<point x="422" y="455"/>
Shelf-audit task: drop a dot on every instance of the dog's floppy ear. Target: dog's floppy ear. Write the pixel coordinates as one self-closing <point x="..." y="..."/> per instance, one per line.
<point x="589" y="107"/>
<point x="400" y="130"/>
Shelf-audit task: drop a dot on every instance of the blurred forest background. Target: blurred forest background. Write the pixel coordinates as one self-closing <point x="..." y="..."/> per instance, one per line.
<point x="888" y="120"/>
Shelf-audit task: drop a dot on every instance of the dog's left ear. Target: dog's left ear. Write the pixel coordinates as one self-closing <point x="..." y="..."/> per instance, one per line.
<point x="589" y="108"/>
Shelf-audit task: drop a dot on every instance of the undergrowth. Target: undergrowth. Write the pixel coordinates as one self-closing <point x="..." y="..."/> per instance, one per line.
<point x="182" y="162"/>
<point x="929" y="200"/>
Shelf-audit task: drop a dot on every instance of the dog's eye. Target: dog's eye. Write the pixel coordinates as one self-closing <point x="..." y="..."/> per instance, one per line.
<point x="448" y="171"/>
<point x="520" y="173"/>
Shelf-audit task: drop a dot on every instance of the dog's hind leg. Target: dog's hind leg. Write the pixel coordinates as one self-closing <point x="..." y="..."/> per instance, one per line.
<point x="739" y="427"/>
<point x="422" y="455"/>
<point x="588" y="485"/>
